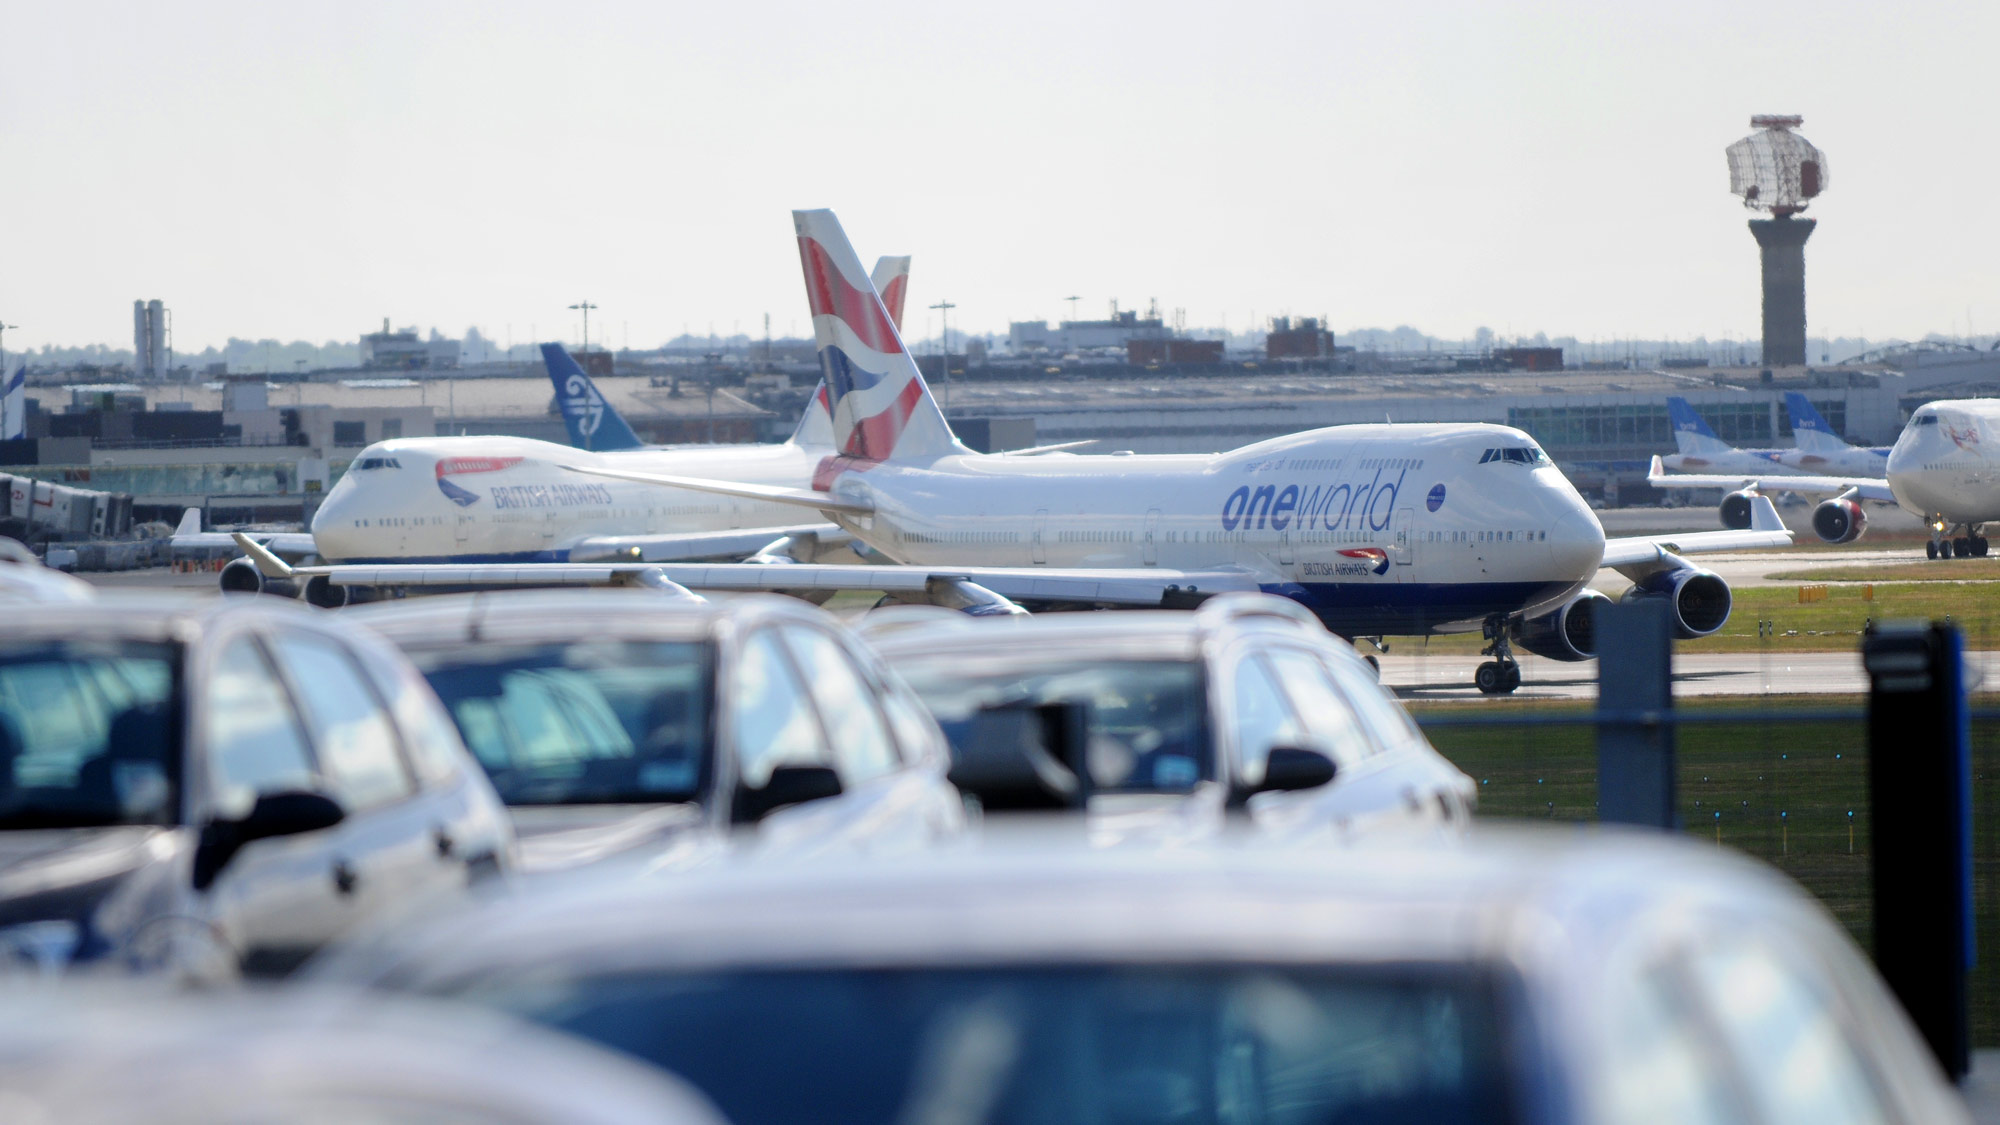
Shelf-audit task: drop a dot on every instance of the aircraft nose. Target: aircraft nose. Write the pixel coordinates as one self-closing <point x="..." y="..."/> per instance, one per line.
<point x="1576" y="544"/>
<point x="332" y="521"/>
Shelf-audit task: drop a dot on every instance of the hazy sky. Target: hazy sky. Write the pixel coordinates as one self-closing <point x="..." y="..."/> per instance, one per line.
<point x="300" y="170"/>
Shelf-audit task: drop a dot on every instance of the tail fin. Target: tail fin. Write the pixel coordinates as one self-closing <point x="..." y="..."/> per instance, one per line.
<point x="1691" y="434"/>
<point x="892" y="280"/>
<point x="591" y="421"/>
<point x="881" y="408"/>
<point x="190" y="523"/>
<point x="816" y="424"/>
<point x="1810" y="431"/>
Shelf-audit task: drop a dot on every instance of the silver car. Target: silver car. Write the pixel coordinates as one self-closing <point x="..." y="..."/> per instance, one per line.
<point x="1519" y="975"/>
<point x="623" y="725"/>
<point x="1190" y="715"/>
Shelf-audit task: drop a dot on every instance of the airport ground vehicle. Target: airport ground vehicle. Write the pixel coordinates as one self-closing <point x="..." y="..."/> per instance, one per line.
<point x="625" y="722"/>
<point x="207" y="786"/>
<point x="110" y="1056"/>
<point x="1186" y="713"/>
<point x="1526" y="976"/>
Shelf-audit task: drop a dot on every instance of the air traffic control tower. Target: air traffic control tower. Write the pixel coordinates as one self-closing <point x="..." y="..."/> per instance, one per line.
<point x="1779" y="172"/>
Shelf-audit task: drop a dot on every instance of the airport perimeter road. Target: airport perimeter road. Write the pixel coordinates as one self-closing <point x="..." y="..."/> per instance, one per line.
<point x="1812" y="673"/>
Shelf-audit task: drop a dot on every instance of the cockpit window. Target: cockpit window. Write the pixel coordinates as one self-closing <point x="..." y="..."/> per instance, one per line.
<point x="378" y="463"/>
<point x="1518" y="454"/>
<point x="1924" y="420"/>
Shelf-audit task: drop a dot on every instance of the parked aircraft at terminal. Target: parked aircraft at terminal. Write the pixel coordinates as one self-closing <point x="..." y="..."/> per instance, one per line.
<point x="1700" y="450"/>
<point x="1818" y="449"/>
<point x="1944" y="467"/>
<point x="1379" y="529"/>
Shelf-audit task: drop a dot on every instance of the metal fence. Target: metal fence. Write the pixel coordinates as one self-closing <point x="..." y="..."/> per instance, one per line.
<point x="1785" y="781"/>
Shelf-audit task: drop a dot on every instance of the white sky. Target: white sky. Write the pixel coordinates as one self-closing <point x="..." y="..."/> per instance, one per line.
<point x="302" y="170"/>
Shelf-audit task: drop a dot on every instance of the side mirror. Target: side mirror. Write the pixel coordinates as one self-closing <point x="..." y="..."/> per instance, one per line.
<point x="274" y="814"/>
<point x="788" y="785"/>
<point x="1023" y="756"/>
<point x="1291" y="768"/>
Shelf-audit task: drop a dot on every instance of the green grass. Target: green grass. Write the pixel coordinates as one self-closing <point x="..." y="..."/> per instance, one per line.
<point x="1783" y="790"/>
<point x="1953" y="570"/>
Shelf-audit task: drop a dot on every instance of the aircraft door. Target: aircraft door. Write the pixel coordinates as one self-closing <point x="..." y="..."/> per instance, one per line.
<point x="1040" y="555"/>
<point x="1150" y="544"/>
<point x="1401" y="548"/>
<point x="464" y="529"/>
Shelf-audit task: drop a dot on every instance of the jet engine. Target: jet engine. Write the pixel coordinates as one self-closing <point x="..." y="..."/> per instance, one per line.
<point x="1700" y="599"/>
<point x="1839" y="521"/>
<point x="321" y="591"/>
<point x="1567" y="633"/>
<point x="1735" y="509"/>
<point x="241" y="576"/>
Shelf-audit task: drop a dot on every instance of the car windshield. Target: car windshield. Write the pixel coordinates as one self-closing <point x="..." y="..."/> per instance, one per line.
<point x="88" y="734"/>
<point x="1148" y="719"/>
<point x="1126" y="1044"/>
<point x="583" y="722"/>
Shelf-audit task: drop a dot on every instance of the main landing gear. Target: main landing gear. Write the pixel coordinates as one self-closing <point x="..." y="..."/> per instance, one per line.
<point x="1502" y="674"/>
<point x="1944" y="545"/>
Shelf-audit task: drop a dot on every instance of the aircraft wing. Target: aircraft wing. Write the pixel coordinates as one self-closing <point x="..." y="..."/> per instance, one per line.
<point x="696" y="546"/>
<point x="1637" y="555"/>
<point x="1134" y="587"/>
<point x="1863" y="488"/>
<point x="778" y="494"/>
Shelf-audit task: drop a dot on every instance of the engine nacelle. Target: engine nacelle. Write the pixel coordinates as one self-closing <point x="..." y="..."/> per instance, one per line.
<point x="1568" y="633"/>
<point x="1700" y="599"/>
<point x="1839" y="521"/>
<point x="321" y="591"/>
<point x="241" y="576"/>
<point x="1735" y="510"/>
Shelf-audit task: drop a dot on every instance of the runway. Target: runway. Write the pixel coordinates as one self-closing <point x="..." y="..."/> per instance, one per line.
<point x="1449" y="677"/>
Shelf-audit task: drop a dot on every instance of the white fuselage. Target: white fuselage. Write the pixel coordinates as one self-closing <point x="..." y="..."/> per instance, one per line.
<point x="1847" y="461"/>
<point x="508" y="499"/>
<point x="1946" y="464"/>
<point x="1750" y="462"/>
<point x="1402" y="528"/>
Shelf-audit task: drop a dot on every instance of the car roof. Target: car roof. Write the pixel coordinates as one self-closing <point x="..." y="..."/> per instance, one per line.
<point x="1040" y="894"/>
<point x="451" y="619"/>
<point x="1157" y="633"/>
<point x="149" y="615"/>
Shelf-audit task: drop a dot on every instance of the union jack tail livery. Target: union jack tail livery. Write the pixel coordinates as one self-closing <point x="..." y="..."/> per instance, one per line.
<point x="881" y="408"/>
<point x="892" y="282"/>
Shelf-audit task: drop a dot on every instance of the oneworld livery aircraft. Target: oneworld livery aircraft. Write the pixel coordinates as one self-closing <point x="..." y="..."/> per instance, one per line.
<point x="1379" y="529"/>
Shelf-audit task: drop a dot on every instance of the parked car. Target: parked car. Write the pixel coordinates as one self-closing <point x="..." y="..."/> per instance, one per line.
<point x="619" y="724"/>
<point x="1246" y="702"/>
<point x="23" y="578"/>
<point x="218" y="785"/>
<point x="97" y="1056"/>
<point x="1520" y="975"/>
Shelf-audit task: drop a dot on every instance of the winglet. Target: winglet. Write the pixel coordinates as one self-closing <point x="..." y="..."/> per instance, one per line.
<point x="1764" y="514"/>
<point x="190" y="523"/>
<point x="268" y="564"/>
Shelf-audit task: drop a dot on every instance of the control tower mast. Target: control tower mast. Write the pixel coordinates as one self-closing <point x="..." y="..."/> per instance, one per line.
<point x="1779" y="172"/>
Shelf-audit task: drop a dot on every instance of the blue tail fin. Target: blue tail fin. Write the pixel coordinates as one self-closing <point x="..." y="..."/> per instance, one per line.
<point x="1810" y="430"/>
<point x="591" y="421"/>
<point x="1685" y="420"/>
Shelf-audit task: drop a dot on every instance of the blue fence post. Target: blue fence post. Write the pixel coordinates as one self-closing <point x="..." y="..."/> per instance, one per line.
<point x="1635" y="714"/>
<point x="1920" y="827"/>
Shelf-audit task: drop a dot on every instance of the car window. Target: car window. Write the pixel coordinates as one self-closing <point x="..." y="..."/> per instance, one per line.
<point x="1326" y="713"/>
<point x="1786" y="1035"/>
<point x="1263" y="718"/>
<point x="1664" y="1065"/>
<point x="255" y="742"/>
<point x="916" y="734"/>
<point x="356" y="741"/>
<point x="1380" y="713"/>
<point x="433" y="742"/>
<point x="88" y="733"/>
<point x="846" y="701"/>
<point x="773" y="719"/>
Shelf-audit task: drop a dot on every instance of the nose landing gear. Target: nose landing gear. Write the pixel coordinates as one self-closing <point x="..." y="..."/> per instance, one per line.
<point x="1502" y="674"/>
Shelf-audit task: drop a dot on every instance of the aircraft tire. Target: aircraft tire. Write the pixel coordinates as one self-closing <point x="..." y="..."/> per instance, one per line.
<point x="1513" y="678"/>
<point x="1930" y="549"/>
<point x="1490" y="679"/>
<point x="1979" y="546"/>
<point x="1944" y="548"/>
<point x="1963" y="547"/>
<point x="1374" y="666"/>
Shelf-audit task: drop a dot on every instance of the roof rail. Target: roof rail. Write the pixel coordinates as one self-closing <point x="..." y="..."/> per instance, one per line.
<point x="1236" y="606"/>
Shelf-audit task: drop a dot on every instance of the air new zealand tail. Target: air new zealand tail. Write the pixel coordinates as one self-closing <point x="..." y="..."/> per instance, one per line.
<point x="591" y="421"/>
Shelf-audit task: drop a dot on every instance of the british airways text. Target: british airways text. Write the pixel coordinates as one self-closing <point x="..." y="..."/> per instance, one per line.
<point x="550" y="495"/>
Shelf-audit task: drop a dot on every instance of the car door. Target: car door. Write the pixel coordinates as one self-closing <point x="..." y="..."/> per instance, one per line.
<point x="386" y="852"/>
<point x="1367" y="782"/>
<point x="274" y="901"/>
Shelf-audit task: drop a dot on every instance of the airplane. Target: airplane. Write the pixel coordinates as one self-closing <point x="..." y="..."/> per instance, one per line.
<point x="1700" y="450"/>
<point x="1378" y="529"/>
<point x="1820" y="450"/>
<point x="594" y="424"/>
<point x="1944" y="467"/>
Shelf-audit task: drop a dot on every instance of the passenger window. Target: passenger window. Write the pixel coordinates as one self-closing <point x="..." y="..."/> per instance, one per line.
<point x="255" y="745"/>
<point x="1325" y="713"/>
<point x="916" y="734"/>
<point x="1263" y="718"/>
<point x="1380" y="712"/>
<point x="846" y="701"/>
<point x="771" y="715"/>
<point x="1663" y="1065"/>
<point x="1786" y="1036"/>
<point x="428" y="733"/>
<point x="357" y="743"/>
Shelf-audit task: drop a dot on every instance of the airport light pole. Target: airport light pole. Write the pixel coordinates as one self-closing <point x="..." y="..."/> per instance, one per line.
<point x="586" y="306"/>
<point x="3" y="347"/>
<point x="944" y="334"/>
